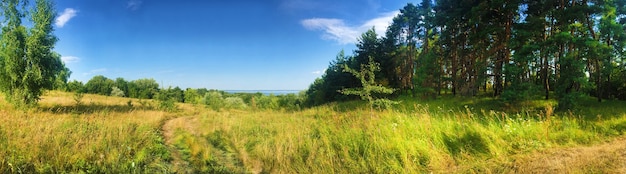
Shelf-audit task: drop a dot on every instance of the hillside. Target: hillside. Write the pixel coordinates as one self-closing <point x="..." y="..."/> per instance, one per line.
<point x="121" y="135"/>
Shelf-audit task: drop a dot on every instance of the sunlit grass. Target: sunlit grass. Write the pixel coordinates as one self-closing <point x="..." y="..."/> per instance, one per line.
<point x="338" y="139"/>
<point x="112" y="135"/>
<point x="100" y="138"/>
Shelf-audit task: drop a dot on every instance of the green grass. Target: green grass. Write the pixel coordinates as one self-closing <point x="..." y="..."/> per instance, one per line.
<point x="106" y="135"/>
<point x="438" y="136"/>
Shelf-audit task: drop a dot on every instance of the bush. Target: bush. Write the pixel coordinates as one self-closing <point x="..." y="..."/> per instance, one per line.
<point x="167" y="105"/>
<point x="213" y="99"/>
<point x="267" y="102"/>
<point x="234" y="103"/>
<point x="117" y="92"/>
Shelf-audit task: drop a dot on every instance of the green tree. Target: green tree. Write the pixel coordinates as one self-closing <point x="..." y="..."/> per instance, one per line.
<point x="99" y="85"/>
<point x="121" y="84"/>
<point x="191" y="96"/>
<point x="75" y="86"/>
<point x="60" y="82"/>
<point x="369" y="87"/>
<point x="28" y="64"/>
<point x="143" y="88"/>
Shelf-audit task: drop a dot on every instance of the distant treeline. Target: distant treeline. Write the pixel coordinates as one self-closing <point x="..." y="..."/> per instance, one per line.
<point x="148" y="88"/>
<point x="514" y="49"/>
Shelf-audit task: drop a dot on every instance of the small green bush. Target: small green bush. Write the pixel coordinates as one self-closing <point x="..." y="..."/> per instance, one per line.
<point x="234" y="103"/>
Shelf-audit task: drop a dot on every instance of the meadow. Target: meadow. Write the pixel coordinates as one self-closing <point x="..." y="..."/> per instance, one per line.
<point x="103" y="134"/>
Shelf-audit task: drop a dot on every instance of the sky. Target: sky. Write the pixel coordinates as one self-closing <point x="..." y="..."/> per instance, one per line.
<point x="225" y="45"/>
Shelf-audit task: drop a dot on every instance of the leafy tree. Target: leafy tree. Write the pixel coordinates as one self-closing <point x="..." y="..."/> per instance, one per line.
<point x="325" y="89"/>
<point x="60" y="82"/>
<point x="99" y="85"/>
<point x="27" y="63"/>
<point x="175" y="94"/>
<point x="191" y="96"/>
<point x="122" y="84"/>
<point x="75" y="86"/>
<point x="143" y="88"/>
<point x="213" y="99"/>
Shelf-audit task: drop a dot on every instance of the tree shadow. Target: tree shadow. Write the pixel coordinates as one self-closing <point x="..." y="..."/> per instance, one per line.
<point x="93" y="108"/>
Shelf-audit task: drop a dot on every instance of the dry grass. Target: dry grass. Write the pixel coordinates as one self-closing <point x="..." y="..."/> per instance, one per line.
<point x="107" y="135"/>
<point x="609" y="157"/>
<point x="102" y="136"/>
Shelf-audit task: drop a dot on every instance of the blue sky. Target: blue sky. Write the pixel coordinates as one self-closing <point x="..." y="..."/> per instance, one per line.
<point x="226" y="45"/>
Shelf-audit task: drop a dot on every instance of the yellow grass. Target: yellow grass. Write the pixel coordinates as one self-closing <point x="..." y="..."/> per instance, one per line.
<point x="102" y="139"/>
<point x="112" y="135"/>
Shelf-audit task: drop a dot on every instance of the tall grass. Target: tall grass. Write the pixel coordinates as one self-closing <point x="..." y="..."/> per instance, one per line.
<point x="103" y="136"/>
<point x="421" y="139"/>
<point x="121" y="135"/>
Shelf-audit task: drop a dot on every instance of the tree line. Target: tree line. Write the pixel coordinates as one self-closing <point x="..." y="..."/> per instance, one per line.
<point x="148" y="88"/>
<point x="514" y="50"/>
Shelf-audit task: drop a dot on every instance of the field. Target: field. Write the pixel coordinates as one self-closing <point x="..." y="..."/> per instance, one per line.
<point x="103" y="134"/>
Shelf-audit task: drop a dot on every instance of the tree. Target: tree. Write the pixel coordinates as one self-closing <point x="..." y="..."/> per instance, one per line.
<point x="28" y="64"/>
<point x="121" y="84"/>
<point x="75" y="86"/>
<point x="99" y="85"/>
<point x="60" y="82"/>
<point x="143" y="88"/>
<point x="367" y="77"/>
<point x="191" y="96"/>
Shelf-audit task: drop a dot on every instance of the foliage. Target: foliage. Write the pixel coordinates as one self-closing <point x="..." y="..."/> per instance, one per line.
<point x="213" y="99"/>
<point x="145" y="88"/>
<point x="28" y="64"/>
<point x="75" y="86"/>
<point x="368" y="82"/>
<point x="508" y="48"/>
<point x="326" y="88"/>
<point x="99" y="85"/>
<point x="234" y="103"/>
<point x="117" y="92"/>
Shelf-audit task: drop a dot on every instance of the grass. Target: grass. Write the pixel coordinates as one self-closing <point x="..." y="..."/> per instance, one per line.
<point x="342" y="138"/>
<point x="107" y="135"/>
<point x="100" y="137"/>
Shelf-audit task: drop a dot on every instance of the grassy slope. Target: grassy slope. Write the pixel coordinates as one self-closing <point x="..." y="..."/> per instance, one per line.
<point x="448" y="135"/>
<point x="104" y="135"/>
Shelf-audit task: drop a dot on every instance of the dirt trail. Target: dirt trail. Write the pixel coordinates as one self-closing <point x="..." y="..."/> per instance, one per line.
<point x="169" y="127"/>
<point x="609" y="157"/>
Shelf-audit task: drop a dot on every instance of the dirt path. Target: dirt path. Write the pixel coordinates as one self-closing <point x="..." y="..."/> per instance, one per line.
<point x="168" y="129"/>
<point x="609" y="157"/>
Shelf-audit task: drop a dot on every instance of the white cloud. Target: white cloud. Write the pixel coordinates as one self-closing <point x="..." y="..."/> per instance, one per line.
<point x="133" y="4"/>
<point x="65" y="17"/>
<point x="317" y="72"/>
<point x="94" y="71"/>
<point x="336" y="29"/>
<point x="70" y="59"/>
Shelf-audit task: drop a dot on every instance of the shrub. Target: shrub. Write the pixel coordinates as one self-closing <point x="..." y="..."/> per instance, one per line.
<point x="78" y="98"/>
<point x="213" y="99"/>
<point x="267" y="102"/>
<point x="234" y="103"/>
<point x="117" y="92"/>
